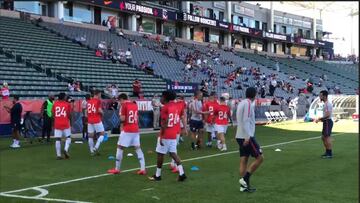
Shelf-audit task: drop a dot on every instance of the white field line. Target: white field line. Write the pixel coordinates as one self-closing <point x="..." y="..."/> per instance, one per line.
<point x="42" y="198"/>
<point x="7" y="193"/>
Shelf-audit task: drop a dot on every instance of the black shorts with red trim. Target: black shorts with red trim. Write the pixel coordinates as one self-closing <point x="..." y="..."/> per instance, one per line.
<point x="253" y="148"/>
<point x="327" y="127"/>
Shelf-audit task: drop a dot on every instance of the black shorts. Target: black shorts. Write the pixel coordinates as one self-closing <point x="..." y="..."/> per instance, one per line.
<point x="252" y="148"/>
<point x="327" y="127"/>
<point x="196" y="125"/>
<point x="16" y="126"/>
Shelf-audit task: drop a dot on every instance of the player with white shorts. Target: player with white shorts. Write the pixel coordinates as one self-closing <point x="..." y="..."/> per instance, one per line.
<point x="129" y="136"/>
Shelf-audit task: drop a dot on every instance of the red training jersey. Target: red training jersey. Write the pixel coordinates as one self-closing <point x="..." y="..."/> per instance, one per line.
<point x="130" y="111"/>
<point x="61" y="111"/>
<point x="93" y="107"/>
<point x="222" y="113"/>
<point x="170" y="112"/>
<point x="210" y="106"/>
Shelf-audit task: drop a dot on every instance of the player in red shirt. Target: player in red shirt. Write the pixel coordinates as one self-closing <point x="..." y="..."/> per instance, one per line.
<point x="129" y="135"/>
<point x="209" y="106"/>
<point x="61" y="111"/>
<point x="180" y="127"/>
<point x="222" y="114"/>
<point x="94" y="113"/>
<point x="169" y="116"/>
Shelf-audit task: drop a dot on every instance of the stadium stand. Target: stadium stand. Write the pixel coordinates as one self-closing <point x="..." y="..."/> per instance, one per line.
<point x="69" y="61"/>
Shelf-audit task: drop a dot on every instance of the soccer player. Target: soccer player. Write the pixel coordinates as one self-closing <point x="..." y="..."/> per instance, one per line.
<point x="94" y="113"/>
<point x="129" y="136"/>
<point x="196" y="123"/>
<point x="166" y="142"/>
<point x="15" y="117"/>
<point x="222" y="114"/>
<point x="245" y="136"/>
<point x="180" y="129"/>
<point x="209" y="106"/>
<point x="61" y="111"/>
<point x="327" y="124"/>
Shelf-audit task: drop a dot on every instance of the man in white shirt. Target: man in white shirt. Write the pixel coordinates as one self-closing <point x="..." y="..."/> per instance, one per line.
<point x="128" y="56"/>
<point x="196" y="120"/>
<point x="327" y="124"/>
<point x="245" y="136"/>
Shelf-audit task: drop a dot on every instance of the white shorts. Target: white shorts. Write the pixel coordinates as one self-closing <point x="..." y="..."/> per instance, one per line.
<point x="97" y="127"/>
<point x="210" y="128"/>
<point x="220" y="128"/>
<point x="129" y="139"/>
<point x="60" y="133"/>
<point x="169" y="146"/>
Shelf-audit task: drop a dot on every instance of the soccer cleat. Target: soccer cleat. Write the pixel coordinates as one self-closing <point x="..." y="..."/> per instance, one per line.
<point x="243" y="183"/>
<point x="326" y="156"/>
<point x="193" y="147"/>
<point x="96" y="152"/>
<point x="155" y="178"/>
<point x="223" y="149"/>
<point x="181" y="178"/>
<point x="59" y="158"/>
<point x="66" y="154"/>
<point x="113" y="171"/>
<point x="209" y="144"/>
<point x="181" y="139"/>
<point x="141" y="172"/>
<point x="175" y="170"/>
<point x="249" y="190"/>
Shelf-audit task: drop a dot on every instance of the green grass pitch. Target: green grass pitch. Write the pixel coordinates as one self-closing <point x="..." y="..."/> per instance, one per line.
<point x="296" y="174"/>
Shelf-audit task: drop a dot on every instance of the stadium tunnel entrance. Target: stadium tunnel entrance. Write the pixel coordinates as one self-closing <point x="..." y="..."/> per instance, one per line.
<point x="344" y="106"/>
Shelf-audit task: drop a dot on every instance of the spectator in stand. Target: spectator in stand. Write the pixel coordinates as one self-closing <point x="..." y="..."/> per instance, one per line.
<point x="141" y="29"/>
<point x="272" y="86"/>
<point x="136" y="88"/>
<point x="114" y="91"/>
<point x="77" y="86"/>
<point x="128" y="56"/>
<point x="262" y="92"/>
<point x="274" y="102"/>
<point x="71" y="87"/>
<point x="167" y="41"/>
<point x="15" y="118"/>
<point x="121" y="34"/>
<point x="5" y="93"/>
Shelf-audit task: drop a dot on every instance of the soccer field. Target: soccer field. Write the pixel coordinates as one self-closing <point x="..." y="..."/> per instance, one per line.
<point x="295" y="174"/>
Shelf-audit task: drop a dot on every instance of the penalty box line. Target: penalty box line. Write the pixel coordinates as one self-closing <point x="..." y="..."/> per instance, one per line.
<point x="152" y="166"/>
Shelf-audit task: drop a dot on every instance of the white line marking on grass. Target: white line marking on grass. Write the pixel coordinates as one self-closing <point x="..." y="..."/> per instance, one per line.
<point x="42" y="198"/>
<point x="152" y="166"/>
<point x="155" y="197"/>
<point x="147" y="189"/>
<point x="43" y="192"/>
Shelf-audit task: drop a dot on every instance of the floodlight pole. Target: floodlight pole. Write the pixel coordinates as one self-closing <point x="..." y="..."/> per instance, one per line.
<point x="351" y="32"/>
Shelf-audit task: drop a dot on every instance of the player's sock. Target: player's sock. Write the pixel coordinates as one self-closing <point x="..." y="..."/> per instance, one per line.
<point x="181" y="169"/>
<point x="329" y="152"/>
<point x="67" y="144"/>
<point x="91" y="144"/>
<point x="141" y="158"/>
<point x="173" y="164"/>
<point x="119" y="156"/>
<point x="158" y="172"/>
<point x="98" y="142"/>
<point x="58" y="148"/>
<point x="247" y="178"/>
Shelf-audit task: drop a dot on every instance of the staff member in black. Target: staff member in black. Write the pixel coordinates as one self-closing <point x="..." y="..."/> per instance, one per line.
<point x="15" y="117"/>
<point x="46" y="113"/>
